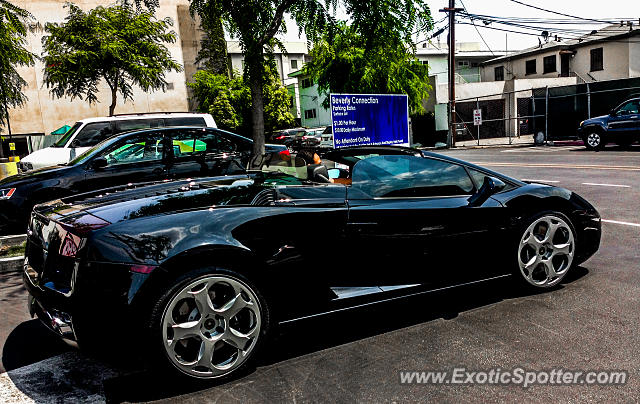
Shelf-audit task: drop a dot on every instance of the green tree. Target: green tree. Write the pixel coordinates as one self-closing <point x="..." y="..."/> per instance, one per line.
<point x="213" y="51"/>
<point x="375" y="54"/>
<point x="118" y="44"/>
<point x="228" y="100"/>
<point x="256" y="23"/>
<point x="12" y="54"/>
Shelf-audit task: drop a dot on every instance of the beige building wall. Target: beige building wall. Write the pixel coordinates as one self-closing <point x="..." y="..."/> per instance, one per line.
<point x="634" y="58"/>
<point x="621" y="59"/>
<point x="43" y="113"/>
<point x="615" y="60"/>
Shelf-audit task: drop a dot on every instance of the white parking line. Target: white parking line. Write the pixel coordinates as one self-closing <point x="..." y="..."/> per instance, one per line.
<point x="550" y="181"/>
<point x="619" y="222"/>
<point x="606" y="185"/>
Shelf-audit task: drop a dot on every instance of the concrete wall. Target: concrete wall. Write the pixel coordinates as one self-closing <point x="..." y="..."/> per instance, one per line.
<point x="634" y="58"/>
<point x="43" y="113"/>
<point x="516" y="68"/>
<point x="618" y="62"/>
<point x="615" y="61"/>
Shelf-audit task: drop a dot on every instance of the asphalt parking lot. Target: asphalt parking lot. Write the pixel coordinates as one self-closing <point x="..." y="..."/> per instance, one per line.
<point x="588" y="323"/>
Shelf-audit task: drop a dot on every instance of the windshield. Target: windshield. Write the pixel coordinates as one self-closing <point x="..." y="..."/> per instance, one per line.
<point x="87" y="155"/>
<point x="283" y="164"/>
<point x="65" y="138"/>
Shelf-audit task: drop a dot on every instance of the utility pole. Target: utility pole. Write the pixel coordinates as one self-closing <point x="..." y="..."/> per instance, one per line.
<point x="451" y="141"/>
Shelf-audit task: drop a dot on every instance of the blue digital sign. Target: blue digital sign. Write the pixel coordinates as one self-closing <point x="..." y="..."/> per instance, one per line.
<point x="369" y="119"/>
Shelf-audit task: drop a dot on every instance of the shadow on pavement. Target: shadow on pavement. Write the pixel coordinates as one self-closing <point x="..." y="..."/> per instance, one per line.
<point x="312" y="335"/>
<point x="28" y="343"/>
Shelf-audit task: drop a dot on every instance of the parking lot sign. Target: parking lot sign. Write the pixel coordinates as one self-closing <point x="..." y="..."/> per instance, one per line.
<point x="369" y="119"/>
<point x="477" y="117"/>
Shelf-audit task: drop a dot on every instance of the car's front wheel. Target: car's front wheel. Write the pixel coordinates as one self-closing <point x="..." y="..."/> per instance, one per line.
<point x="594" y="141"/>
<point x="210" y="325"/>
<point x="546" y="250"/>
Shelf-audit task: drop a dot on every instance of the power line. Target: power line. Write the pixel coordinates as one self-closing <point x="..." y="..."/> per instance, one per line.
<point x="477" y="30"/>
<point x="538" y="35"/>
<point x="568" y="31"/>
<point x="558" y="13"/>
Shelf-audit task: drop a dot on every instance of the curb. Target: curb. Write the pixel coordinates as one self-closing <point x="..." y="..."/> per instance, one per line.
<point x="13" y="264"/>
<point x="496" y="146"/>
<point x="13" y="241"/>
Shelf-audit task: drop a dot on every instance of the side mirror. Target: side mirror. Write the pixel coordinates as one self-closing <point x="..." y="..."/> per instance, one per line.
<point x="99" y="162"/>
<point x="490" y="186"/>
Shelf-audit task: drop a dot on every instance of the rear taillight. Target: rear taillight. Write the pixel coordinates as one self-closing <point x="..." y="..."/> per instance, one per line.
<point x="142" y="269"/>
<point x="280" y="137"/>
<point x="6" y="193"/>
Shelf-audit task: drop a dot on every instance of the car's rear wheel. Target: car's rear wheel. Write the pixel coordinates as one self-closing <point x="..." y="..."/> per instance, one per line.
<point x="546" y="250"/>
<point x="211" y="325"/>
<point x="593" y="140"/>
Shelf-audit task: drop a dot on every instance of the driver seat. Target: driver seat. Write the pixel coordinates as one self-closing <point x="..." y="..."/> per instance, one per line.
<point x="318" y="173"/>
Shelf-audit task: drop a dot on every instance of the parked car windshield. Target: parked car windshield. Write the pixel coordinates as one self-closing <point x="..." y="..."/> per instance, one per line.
<point x="65" y="138"/>
<point x="87" y="155"/>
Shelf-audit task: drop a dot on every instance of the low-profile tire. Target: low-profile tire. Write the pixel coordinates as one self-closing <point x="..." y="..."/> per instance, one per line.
<point x="546" y="250"/>
<point x="594" y="140"/>
<point x="210" y="324"/>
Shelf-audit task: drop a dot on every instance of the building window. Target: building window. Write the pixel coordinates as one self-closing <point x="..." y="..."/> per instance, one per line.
<point x="306" y="83"/>
<point x="463" y="63"/>
<point x="309" y="113"/>
<point x="294" y="64"/>
<point x="530" y="66"/>
<point x="424" y="62"/>
<point x="549" y="64"/>
<point x="499" y="72"/>
<point x="596" y="60"/>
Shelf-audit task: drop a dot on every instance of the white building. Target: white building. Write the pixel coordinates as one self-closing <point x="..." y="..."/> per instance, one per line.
<point x="610" y="53"/>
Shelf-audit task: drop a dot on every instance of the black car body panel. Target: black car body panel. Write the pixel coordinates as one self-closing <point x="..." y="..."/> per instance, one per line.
<point x="312" y="248"/>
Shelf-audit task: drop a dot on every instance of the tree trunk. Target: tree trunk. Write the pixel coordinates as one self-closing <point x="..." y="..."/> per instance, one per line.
<point x="255" y="62"/>
<point x="114" y="99"/>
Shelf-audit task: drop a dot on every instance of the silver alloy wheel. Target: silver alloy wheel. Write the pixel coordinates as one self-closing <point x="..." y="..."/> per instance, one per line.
<point x="546" y="251"/>
<point x="594" y="139"/>
<point x="211" y="326"/>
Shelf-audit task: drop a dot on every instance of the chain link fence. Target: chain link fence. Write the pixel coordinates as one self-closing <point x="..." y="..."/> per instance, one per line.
<point x="538" y="114"/>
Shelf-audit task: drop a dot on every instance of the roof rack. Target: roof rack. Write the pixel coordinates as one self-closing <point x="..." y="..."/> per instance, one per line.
<point x="157" y="113"/>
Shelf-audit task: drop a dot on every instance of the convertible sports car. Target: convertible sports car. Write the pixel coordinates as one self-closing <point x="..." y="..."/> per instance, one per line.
<point x="203" y="270"/>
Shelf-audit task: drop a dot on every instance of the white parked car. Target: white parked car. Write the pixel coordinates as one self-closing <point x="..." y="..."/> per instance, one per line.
<point x="89" y="132"/>
<point x="326" y="139"/>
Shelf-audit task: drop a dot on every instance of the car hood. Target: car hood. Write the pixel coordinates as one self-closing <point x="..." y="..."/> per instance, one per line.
<point x="101" y="208"/>
<point x="596" y="119"/>
<point x="34" y="175"/>
<point x="49" y="156"/>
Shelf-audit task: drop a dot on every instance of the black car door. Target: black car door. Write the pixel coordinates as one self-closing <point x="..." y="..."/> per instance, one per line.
<point x="135" y="158"/>
<point x="625" y="122"/>
<point x="410" y="223"/>
<point x="200" y="152"/>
